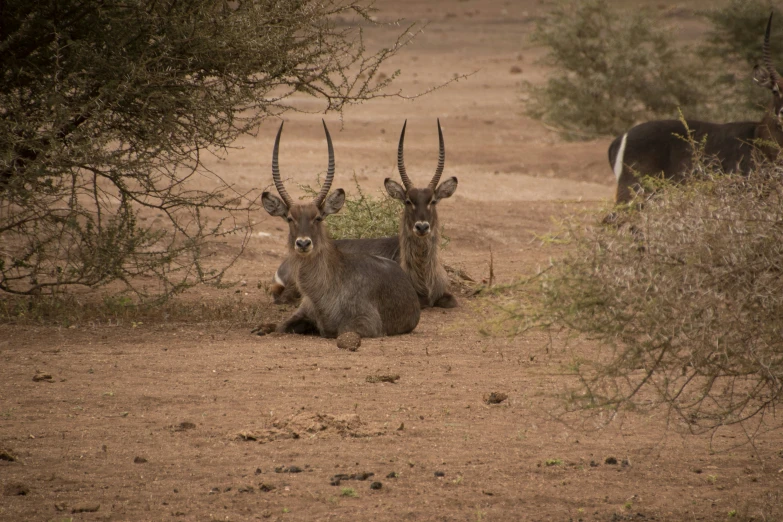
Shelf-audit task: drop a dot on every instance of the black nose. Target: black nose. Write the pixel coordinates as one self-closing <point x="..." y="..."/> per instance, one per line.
<point x="422" y="227"/>
<point x="303" y="243"/>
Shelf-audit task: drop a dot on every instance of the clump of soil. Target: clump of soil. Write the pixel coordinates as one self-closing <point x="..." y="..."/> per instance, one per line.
<point x="313" y="425"/>
<point x="392" y="378"/>
<point x="290" y="469"/>
<point x="41" y="376"/>
<point x="7" y="456"/>
<point x="264" y="329"/>
<point x="495" y="397"/>
<point x="183" y="426"/>
<point x="15" y="489"/>
<point x="337" y="479"/>
<point x="349" y="341"/>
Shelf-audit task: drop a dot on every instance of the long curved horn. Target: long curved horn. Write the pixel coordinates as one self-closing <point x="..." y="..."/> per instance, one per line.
<point x="329" y="171"/>
<point x="441" y="160"/>
<point x="401" y="161"/>
<point x="766" y="56"/>
<point x="276" y="171"/>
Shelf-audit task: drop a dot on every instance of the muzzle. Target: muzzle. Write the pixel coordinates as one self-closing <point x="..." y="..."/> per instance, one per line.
<point x="421" y="228"/>
<point x="303" y="245"/>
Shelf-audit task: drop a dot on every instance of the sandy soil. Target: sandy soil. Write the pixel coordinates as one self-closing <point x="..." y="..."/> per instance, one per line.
<point x="182" y="421"/>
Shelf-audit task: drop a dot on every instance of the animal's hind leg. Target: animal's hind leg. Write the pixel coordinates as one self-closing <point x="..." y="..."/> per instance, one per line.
<point x="366" y="325"/>
<point x="446" y="301"/>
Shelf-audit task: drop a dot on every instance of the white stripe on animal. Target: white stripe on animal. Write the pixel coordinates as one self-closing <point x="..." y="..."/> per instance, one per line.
<point x="618" y="161"/>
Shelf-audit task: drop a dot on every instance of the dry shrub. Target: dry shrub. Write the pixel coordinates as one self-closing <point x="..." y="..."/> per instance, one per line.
<point x="684" y="297"/>
<point x="731" y="48"/>
<point x="362" y="216"/>
<point x="108" y="109"/>
<point x="612" y="69"/>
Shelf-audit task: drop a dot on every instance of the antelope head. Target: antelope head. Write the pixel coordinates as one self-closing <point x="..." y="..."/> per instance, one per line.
<point x="306" y="232"/>
<point x="420" y="216"/>
<point x="767" y="76"/>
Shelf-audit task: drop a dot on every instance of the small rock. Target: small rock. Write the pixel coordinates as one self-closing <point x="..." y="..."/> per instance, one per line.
<point x="86" y="508"/>
<point x="495" y="397"/>
<point x="60" y="506"/>
<point x="349" y="341"/>
<point x="376" y="485"/>
<point x="515" y="69"/>
<point x="611" y="460"/>
<point x="184" y="426"/>
<point x="139" y="460"/>
<point x="440" y="474"/>
<point x="266" y="488"/>
<point x="393" y="474"/>
<point x="258" y="471"/>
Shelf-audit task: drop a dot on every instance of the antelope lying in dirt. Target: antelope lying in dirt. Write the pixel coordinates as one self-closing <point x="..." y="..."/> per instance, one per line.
<point x="658" y="146"/>
<point x="416" y="246"/>
<point x="341" y="291"/>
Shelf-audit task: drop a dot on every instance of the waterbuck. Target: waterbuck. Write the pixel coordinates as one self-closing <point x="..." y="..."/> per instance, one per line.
<point x="416" y="246"/>
<point x="419" y="228"/>
<point x="660" y="146"/>
<point x="341" y="292"/>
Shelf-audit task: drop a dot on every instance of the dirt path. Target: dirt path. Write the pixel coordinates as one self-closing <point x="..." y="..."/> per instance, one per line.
<point x="182" y="421"/>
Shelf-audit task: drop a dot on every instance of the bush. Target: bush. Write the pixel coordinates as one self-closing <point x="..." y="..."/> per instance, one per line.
<point x="733" y="44"/>
<point x="108" y="107"/>
<point x="611" y="71"/>
<point x="614" y="69"/>
<point x="362" y="216"/>
<point x="684" y="297"/>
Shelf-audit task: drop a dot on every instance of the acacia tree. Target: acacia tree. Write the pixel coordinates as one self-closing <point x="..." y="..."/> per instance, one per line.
<point x="107" y="108"/>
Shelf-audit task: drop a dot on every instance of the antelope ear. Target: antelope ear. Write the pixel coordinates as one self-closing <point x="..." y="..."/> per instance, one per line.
<point x="762" y="77"/>
<point x="446" y="189"/>
<point x="274" y="205"/>
<point x="394" y="189"/>
<point x="333" y="202"/>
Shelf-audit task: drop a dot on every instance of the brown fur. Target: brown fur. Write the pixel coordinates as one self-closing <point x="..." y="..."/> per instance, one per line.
<point x="417" y="253"/>
<point x="341" y="292"/>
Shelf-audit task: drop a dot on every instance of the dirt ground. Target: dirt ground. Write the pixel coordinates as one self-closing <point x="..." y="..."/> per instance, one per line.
<point x="188" y="421"/>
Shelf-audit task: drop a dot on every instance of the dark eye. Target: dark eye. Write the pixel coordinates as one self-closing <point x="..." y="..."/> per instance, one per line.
<point x="408" y="202"/>
<point x="433" y="201"/>
<point x="289" y="219"/>
<point x="319" y="219"/>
